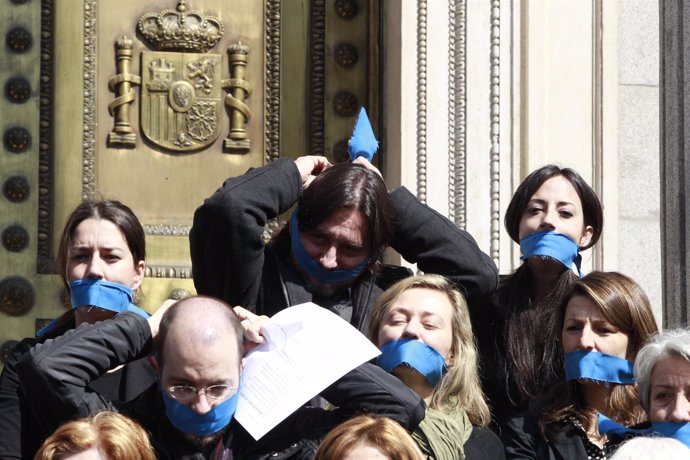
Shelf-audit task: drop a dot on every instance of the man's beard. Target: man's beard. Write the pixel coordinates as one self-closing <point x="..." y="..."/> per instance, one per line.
<point x="324" y="289"/>
<point x="205" y="443"/>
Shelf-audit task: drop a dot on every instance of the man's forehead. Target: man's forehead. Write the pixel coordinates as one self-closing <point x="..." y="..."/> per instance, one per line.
<point x="204" y="361"/>
<point x="347" y="223"/>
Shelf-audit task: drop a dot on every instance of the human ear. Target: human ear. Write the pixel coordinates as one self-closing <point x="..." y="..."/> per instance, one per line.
<point x="586" y="236"/>
<point x="153" y="360"/>
<point x="139" y="270"/>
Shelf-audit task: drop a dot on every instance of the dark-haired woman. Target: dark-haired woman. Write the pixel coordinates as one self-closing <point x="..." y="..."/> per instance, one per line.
<point x="602" y="324"/>
<point x="101" y="262"/>
<point x="553" y="215"/>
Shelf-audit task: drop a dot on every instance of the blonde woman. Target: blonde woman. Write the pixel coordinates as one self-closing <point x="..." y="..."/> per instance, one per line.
<point x="373" y="438"/>
<point x="105" y="436"/>
<point x="422" y="326"/>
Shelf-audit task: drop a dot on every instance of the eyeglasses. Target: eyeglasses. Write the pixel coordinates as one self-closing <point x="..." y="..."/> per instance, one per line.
<point x="185" y="393"/>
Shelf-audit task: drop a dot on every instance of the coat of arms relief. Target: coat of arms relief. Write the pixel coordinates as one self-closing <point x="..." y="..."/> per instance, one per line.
<point x="181" y="90"/>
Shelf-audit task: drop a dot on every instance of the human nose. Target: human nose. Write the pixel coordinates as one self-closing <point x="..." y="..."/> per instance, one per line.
<point x="412" y="330"/>
<point x="548" y="221"/>
<point x="200" y="403"/>
<point x="586" y="339"/>
<point x="329" y="259"/>
<point x="94" y="270"/>
<point x="680" y="412"/>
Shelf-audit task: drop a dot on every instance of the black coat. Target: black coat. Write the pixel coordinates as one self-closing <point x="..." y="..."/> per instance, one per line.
<point x="232" y="263"/>
<point x="56" y="375"/>
<point x="21" y="431"/>
<point x="523" y="441"/>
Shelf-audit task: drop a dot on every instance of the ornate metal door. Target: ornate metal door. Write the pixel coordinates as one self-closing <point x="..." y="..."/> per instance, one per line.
<point x="155" y="103"/>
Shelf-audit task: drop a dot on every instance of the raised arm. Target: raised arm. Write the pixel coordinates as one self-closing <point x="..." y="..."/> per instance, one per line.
<point x="226" y="242"/>
<point x="54" y="375"/>
<point x="425" y="237"/>
<point x="367" y="389"/>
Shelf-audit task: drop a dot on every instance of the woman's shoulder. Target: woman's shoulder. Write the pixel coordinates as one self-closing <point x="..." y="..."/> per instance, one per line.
<point x="484" y="444"/>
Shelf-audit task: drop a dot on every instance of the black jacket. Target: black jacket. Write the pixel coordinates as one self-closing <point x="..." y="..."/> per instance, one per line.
<point x="231" y="261"/>
<point x="22" y="432"/>
<point x="56" y="375"/>
<point x="522" y="441"/>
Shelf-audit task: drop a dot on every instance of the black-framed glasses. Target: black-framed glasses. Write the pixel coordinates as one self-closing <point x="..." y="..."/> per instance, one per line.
<point x="185" y="393"/>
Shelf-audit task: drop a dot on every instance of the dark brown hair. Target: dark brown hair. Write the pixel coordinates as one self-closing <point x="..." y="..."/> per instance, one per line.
<point x="531" y="361"/>
<point x="350" y="186"/>
<point x="592" y="211"/>
<point x="114" y="211"/>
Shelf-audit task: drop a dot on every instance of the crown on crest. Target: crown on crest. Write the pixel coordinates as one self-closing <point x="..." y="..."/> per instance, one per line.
<point x="179" y="30"/>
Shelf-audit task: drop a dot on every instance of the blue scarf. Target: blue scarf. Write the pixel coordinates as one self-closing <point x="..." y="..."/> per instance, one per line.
<point x="418" y="355"/>
<point x="679" y="431"/>
<point x="312" y="268"/>
<point x="598" y="366"/>
<point x="186" y="420"/>
<point x="553" y="245"/>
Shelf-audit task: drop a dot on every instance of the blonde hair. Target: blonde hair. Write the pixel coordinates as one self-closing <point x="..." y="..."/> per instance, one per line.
<point x="117" y="438"/>
<point x="380" y="432"/>
<point x="459" y="387"/>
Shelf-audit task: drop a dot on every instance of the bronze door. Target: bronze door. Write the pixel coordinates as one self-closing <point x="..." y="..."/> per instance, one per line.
<point x="155" y="103"/>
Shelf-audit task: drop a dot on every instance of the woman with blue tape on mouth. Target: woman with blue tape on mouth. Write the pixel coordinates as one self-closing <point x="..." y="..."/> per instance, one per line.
<point x="603" y="323"/>
<point x="553" y="215"/>
<point x="421" y="324"/>
<point x="662" y="370"/>
<point x="100" y="260"/>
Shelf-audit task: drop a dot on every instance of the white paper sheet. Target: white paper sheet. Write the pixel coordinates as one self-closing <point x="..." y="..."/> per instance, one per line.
<point x="307" y="349"/>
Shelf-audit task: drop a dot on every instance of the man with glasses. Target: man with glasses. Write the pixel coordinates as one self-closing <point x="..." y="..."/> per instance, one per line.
<point x="198" y="361"/>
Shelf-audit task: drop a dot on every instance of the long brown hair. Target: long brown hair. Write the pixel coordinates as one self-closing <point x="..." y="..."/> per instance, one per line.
<point x="531" y="362"/>
<point x="111" y="210"/>
<point x="623" y="304"/>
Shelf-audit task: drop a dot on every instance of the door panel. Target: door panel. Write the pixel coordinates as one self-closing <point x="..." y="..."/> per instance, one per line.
<point x="111" y="111"/>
